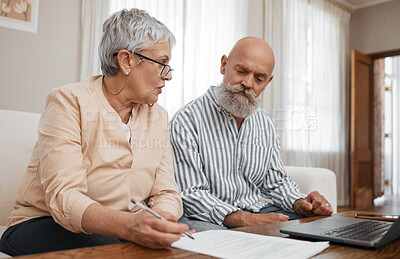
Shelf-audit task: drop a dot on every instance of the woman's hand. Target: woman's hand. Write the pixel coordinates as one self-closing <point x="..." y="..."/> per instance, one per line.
<point x="142" y="228"/>
<point x="149" y="231"/>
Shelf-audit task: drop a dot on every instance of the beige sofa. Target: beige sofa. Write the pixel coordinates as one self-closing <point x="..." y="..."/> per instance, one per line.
<point x="18" y="133"/>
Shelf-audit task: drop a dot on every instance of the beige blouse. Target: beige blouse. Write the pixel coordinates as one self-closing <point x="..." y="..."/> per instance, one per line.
<point x="82" y="157"/>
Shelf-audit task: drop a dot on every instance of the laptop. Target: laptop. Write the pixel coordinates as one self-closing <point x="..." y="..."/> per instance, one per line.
<point x="349" y="231"/>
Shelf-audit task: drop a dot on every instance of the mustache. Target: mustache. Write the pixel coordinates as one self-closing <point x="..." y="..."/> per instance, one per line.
<point x="238" y="88"/>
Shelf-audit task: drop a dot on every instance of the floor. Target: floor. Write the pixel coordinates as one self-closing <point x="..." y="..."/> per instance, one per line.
<point x="385" y="204"/>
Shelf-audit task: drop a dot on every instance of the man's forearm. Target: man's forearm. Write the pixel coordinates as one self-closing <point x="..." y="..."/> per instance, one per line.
<point x="243" y="219"/>
<point x="237" y="219"/>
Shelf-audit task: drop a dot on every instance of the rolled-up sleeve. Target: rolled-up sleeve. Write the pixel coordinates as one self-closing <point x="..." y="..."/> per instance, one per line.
<point x="62" y="171"/>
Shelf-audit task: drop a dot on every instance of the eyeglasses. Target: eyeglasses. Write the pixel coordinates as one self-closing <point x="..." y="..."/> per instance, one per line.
<point x="166" y="68"/>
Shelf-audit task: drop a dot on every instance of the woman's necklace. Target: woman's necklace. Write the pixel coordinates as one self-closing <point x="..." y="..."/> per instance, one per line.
<point x="108" y="91"/>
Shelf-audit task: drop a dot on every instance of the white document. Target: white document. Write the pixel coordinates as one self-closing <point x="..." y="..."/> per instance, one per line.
<point x="237" y="244"/>
<point x="2" y="255"/>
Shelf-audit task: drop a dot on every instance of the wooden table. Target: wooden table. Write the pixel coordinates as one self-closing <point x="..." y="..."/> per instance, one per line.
<point x="131" y="250"/>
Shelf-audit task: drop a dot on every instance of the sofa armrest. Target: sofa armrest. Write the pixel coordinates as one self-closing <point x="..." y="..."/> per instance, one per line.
<point x="315" y="179"/>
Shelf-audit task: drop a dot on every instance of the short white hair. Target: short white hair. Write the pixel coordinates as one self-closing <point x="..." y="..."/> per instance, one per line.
<point x="133" y="30"/>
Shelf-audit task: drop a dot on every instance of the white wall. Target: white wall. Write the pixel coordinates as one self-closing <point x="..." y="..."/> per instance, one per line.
<point x="376" y="28"/>
<point x="33" y="64"/>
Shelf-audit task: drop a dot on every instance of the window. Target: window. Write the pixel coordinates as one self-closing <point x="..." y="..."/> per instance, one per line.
<point x="308" y="95"/>
<point x="204" y="30"/>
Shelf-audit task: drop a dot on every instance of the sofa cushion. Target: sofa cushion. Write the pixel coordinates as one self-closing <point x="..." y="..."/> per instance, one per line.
<point x="315" y="179"/>
<point x="18" y="134"/>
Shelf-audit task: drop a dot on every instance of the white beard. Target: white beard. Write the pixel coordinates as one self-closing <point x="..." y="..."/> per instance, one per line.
<point x="231" y="99"/>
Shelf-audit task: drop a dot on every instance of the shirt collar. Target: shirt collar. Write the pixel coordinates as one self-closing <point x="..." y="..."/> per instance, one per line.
<point x="211" y="95"/>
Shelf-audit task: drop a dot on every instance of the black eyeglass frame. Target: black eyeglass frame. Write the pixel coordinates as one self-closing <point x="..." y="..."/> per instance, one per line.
<point x="170" y="70"/>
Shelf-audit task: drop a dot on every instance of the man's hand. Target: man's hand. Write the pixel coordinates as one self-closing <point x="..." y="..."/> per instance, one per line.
<point x="314" y="204"/>
<point x="152" y="232"/>
<point x="243" y="218"/>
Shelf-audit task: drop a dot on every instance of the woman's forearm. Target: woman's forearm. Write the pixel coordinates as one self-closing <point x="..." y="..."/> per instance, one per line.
<point x="105" y="221"/>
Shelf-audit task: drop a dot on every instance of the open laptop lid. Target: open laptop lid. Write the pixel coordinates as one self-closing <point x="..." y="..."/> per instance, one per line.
<point x="315" y="229"/>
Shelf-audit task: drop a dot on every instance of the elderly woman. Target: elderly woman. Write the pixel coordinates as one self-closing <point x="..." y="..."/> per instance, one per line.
<point x="102" y="142"/>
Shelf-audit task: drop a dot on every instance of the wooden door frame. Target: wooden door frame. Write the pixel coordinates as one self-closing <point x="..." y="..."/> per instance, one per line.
<point x="363" y="155"/>
<point x="384" y="54"/>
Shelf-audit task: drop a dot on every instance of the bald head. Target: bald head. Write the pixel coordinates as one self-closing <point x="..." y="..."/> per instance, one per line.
<point x="250" y="64"/>
<point x="254" y="48"/>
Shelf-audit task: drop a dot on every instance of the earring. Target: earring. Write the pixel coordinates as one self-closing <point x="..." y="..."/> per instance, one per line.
<point x="126" y="72"/>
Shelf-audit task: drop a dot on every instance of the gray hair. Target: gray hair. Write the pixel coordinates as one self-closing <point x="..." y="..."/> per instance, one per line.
<point x="133" y="30"/>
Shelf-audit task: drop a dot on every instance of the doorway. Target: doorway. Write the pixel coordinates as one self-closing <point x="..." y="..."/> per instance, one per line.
<point x="375" y="128"/>
<point x="391" y="132"/>
<point x="389" y="86"/>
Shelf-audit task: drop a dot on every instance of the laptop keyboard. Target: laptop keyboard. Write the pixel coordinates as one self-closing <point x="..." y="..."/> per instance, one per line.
<point x="363" y="230"/>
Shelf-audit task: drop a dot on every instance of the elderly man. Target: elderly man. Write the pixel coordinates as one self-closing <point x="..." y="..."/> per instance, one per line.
<point x="226" y="151"/>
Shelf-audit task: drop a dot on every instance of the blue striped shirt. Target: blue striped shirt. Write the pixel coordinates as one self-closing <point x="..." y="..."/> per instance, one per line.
<point x="221" y="170"/>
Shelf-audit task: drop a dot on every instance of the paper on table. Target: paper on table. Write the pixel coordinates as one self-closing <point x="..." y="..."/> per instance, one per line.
<point x="237" y="244"/>
<point x="4" y="255"/>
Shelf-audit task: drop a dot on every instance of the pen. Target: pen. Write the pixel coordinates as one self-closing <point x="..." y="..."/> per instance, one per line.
<point x="143" y="206"/>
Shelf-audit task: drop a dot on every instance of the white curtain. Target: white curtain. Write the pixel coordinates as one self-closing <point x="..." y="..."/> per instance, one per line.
<point x="204" y="30"/>
<point x="308" y="97"/>
<point x="94" y="13"/>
